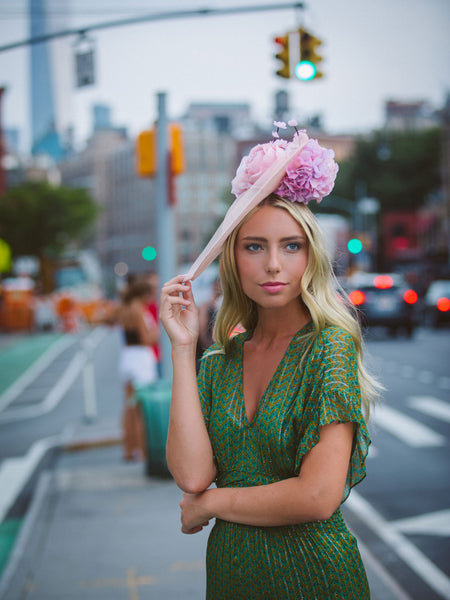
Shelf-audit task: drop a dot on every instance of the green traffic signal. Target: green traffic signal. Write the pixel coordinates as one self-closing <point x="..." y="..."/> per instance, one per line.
<point x="305" y="70"/>
<point x="149" y="253"/>
<point x="354" y="246"/>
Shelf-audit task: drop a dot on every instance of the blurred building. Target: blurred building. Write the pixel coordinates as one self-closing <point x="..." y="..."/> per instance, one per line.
<point x="90" y="169"/>
<point x="46" y="136"/>
<point x="417" y="242"/>
<point x="127" y="222"/>
<point x="410" y="115"/>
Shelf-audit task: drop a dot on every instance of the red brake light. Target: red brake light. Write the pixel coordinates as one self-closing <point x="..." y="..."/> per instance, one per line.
<point x="357" y="297"/>
<point x="383" y="282"/>
<point x="443" y="304"/>
<point x="410" y="297"/>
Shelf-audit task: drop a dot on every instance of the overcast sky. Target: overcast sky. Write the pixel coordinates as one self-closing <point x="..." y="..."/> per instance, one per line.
<point x="373" y="51"/>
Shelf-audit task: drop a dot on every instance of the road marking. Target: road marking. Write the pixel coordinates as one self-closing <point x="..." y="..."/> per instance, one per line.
<point x="15" y="472"/>
<point x="60" y="388"/>
<point x="412" y="556"/>
<point x="407" y="429"/>
<point x="34" y="370"/>
<point x="377" y="573"/>
<point x="435" y="523"/>
<point x="431" y="406"/>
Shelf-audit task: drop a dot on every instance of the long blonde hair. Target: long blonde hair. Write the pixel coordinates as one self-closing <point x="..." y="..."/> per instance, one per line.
<point x="321" y="293"/>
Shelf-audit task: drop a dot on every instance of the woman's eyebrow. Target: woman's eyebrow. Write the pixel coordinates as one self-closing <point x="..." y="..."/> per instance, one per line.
<point x="289" y="238"/>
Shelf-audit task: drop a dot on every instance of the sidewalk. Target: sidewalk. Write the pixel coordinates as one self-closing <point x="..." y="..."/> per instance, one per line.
<point x="98" y="529"/>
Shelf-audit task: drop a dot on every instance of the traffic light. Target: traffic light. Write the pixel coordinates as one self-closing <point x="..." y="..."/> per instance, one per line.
<point x="177" y="157"/>
<point x="146" y="153"/>
<point x="149" y="253"/>
<point x="307" y="68"/>
<point x="354" y="246"/>
<point x="282" y="55"/>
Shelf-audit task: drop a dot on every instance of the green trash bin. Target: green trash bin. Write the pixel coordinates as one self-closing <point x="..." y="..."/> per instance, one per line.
<point x="154" y="400"/>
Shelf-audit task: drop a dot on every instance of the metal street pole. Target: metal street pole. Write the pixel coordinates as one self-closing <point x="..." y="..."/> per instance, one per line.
<point x="164" y="223"/>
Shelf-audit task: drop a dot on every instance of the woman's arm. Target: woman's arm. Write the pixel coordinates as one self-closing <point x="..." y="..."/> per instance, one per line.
<point x="189" y="452"/>
<point x="312" y="496"/>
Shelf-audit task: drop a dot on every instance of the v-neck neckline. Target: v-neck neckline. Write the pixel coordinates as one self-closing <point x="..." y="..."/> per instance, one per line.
<point x="245" y="337"/>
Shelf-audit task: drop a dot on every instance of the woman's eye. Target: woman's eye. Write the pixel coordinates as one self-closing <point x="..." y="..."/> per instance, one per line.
<point x="253" y="247"/>
<point x="293" y="246"/>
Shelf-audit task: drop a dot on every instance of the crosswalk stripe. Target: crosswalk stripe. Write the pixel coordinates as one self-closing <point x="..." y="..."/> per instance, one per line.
<point x="435" y="523"/>
<point x="431" y="406"/>
<point x="419" y="562"/>
<point x="407" y="429"/>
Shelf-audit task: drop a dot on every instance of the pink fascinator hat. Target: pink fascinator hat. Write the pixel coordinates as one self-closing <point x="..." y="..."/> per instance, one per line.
<point x="299" y="170"/>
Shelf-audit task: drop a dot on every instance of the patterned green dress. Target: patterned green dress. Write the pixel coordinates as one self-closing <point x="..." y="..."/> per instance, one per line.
<point x="313" y="561"/>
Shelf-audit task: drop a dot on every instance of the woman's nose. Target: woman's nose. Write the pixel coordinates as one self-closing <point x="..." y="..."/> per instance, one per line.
<point x="273" y="262"/>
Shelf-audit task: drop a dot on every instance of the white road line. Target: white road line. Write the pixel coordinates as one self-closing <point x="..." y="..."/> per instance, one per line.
<point x="407" y="429"/>
<point x="15" y="472"/>
<point x="431" y="406"/>
<point x="435" y="523"/>
<point x="60" y="388"/>
<point x="374" y="566"/>
<point x="34" y="370"/>
<point x="412" y="556"/>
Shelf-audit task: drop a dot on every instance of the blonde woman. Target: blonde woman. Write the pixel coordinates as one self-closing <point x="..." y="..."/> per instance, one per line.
<point x="275" y="418"/>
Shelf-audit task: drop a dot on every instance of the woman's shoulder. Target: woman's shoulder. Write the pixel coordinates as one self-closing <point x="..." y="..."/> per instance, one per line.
<point x="216" y="352"/>
<point x="335" y="338"/>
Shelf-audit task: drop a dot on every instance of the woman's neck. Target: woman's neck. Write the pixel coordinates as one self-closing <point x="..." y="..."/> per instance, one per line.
<point x="279" y="324"/>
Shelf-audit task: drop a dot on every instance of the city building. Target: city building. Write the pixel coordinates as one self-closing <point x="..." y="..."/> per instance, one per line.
<point x="46" y="138"/>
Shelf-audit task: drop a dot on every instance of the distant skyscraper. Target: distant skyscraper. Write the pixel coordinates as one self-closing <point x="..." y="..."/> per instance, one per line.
<point x="45" y="137"/>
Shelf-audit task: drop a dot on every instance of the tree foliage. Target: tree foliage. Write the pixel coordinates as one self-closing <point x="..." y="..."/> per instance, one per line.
<point x="41" y="219"/>
<point x="400" y="169"/>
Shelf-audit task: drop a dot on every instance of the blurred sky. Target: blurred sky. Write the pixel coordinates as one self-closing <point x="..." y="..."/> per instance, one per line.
<point x="373" y="51"/>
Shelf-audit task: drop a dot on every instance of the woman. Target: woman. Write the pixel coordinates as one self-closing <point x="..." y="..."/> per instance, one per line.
<point x="137" y="362"/>
<point x="275" y="419"/>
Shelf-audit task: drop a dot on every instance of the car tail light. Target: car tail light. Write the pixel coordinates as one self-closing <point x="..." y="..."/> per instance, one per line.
<point x="383" y="282"/>
<point x="443" y="304"/>
<point x="410" y="297"/>
<point x="357" y="297"/>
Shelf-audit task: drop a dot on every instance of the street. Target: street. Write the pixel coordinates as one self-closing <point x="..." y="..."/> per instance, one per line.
<point x="400" y="512"/>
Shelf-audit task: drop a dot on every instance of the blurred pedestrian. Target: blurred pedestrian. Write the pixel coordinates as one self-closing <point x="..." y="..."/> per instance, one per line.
<point x="137" y="362"/>
<point x="207" y="313"/>
<point x="276" y="416"/>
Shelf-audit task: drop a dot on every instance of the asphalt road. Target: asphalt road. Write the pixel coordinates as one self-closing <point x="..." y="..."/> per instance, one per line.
<point x="401" y="511"/>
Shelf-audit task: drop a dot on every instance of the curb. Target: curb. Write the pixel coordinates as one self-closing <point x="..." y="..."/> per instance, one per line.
<point x="81" y="445"/>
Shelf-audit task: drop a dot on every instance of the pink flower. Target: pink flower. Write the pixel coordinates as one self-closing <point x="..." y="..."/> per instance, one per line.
<point x="255" y="164"/>
<point x="309" y="176"/>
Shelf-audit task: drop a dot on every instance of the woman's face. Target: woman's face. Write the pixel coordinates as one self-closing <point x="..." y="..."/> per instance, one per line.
<point x="271" y="254"/>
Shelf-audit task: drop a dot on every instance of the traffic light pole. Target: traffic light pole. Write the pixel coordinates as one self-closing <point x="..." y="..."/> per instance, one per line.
<point x="164" y="223"/>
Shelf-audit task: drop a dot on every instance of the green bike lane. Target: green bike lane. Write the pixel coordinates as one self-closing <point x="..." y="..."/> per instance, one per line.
<point x="18" y="353"/>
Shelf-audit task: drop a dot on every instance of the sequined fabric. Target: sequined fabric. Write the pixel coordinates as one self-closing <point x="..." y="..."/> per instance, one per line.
<point x="311" y="561"/>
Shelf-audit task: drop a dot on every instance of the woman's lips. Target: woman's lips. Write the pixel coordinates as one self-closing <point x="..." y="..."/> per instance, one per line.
<point x="273" y="286"/>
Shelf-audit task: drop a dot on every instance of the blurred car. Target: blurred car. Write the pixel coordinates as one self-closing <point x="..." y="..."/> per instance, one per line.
<point x="437" y="303"/>
<point x="383" y="299"/>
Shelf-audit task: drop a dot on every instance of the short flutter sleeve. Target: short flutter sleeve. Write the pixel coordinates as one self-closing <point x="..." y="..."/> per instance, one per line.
<point x="331" y="393"/>
<point x="208" y="367"/>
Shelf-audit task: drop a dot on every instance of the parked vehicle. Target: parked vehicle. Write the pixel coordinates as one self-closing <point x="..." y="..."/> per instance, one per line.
<point x="383" y="299"/>
<point x="437" y="303"/>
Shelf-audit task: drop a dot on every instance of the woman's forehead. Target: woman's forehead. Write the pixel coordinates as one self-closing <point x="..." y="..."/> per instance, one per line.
<point x="273" y="220"/>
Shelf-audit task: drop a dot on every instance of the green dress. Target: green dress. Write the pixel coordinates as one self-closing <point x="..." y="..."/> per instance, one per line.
<point x="313" y="561"/>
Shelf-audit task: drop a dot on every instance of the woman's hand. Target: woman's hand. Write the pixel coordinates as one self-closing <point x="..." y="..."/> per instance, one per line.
<point x="178" y="312"/>
<point x="194" y="514"/>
